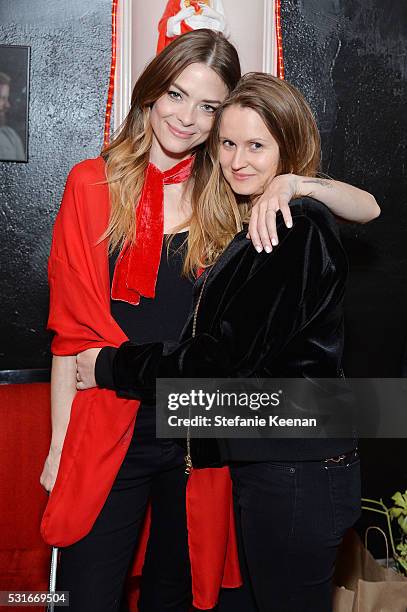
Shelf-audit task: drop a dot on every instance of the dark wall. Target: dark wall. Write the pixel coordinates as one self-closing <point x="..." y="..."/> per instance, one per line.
<point x="70" y="62"/>
<point x="350" y="59"/>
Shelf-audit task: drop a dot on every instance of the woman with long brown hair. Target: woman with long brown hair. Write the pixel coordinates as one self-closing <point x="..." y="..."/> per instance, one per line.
<point x="294" y="498"/>
<point x="112" y="277"/>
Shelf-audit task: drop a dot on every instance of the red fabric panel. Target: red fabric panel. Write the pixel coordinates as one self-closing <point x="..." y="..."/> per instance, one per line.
<point x="25" y="431"/>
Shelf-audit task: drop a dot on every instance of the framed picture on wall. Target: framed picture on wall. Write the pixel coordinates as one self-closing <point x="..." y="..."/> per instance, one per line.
<point x="249" y="24"/>
<point x="14" y="97"/>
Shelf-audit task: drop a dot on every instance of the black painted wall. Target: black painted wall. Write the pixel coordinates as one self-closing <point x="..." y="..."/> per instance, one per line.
<point x="350" y="59"/>
<point x="70" y="62"/>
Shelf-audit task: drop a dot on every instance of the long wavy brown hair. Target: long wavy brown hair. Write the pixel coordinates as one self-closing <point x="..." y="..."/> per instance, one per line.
<point x="289" y="119"/>
<point x="127" y="156"/>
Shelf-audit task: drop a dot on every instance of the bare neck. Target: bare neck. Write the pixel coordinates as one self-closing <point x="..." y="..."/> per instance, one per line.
<point x="164" y="160"/>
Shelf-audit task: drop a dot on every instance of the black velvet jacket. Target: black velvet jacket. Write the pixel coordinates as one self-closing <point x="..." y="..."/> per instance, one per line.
<point x="260" y="315"/>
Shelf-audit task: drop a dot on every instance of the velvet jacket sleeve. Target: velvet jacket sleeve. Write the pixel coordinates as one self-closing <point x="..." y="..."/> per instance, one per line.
<point x="277" y="296"/>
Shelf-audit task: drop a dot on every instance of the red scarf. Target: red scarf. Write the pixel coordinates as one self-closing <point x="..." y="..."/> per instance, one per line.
<point x="137" y="265"/>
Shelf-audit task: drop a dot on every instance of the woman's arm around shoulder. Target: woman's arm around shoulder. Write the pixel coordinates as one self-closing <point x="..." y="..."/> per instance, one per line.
<point x="345" y="201"/>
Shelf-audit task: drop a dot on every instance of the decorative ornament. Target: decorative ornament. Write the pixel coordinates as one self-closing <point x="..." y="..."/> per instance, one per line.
<point x="176" y="20"/>
<point x="195" y="4"/>
<point x="113" y="63"/>
<point x="279" y="37"/>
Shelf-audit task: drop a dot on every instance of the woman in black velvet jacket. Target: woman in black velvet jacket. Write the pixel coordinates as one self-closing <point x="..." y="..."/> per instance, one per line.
<point x="264" y="315"/>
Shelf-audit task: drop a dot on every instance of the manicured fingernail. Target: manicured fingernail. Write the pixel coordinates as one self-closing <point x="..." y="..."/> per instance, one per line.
<point x="258" y="248"/>
<point x="248" y="236"/>
<point x="268" y="249"/>
<point x="274" y="241"/>
<point x="289" y="224"/>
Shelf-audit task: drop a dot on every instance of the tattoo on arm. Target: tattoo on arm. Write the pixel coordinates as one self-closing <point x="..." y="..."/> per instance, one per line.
<point x="323" y="182"/>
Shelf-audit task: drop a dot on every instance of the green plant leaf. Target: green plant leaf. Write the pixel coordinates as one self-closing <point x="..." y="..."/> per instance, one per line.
<point x="401" y="500"/>
<point x="403" y="564"/>
<point x="395" y="512"/>
<point x="402" y="521"/>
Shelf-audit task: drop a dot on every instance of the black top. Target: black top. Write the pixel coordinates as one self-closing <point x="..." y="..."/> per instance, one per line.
<point x="158" y="319"/>
<point x="162" y="318"/>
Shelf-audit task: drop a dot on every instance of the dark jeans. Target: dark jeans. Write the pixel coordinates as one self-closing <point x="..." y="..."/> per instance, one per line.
<point x="94" y="569"/>
<point x="291" y="518"/>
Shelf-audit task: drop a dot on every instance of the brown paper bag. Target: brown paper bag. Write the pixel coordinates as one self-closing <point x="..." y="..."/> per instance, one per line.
<point x="380" y="597"/>
<point x="343" y="599"/>
<point x="366" y="585"/>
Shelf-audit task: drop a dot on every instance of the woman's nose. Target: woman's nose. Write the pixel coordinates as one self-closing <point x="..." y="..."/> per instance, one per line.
<point x="238" y="160"/>
<point x="186" y="115"/>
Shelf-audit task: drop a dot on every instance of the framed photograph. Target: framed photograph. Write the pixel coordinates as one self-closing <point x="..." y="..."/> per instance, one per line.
<point x="14" y="97"/>
<point x="249" y="24"/>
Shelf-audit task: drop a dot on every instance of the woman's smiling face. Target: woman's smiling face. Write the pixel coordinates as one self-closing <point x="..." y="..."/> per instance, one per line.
<point x="182" y="117"/>
<point x="249" y="155"/>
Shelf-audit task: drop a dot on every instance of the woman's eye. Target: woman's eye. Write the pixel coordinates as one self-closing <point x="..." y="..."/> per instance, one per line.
<point x="174" y="95"/>
<point x="228" y="144"/>
<point x="256" y="146"/>
<point x="208" y="108"/>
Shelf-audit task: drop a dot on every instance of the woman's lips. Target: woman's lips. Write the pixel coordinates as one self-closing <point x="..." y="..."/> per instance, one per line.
<point x="179" y="133"/>
<point x="239" y="176"/>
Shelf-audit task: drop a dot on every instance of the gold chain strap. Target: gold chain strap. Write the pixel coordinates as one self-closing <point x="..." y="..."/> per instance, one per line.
<point x="188" y="458"/>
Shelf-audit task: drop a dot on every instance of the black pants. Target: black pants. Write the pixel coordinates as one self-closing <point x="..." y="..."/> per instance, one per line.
<point x="94" y="569"/>
<point x="291" y="518"/>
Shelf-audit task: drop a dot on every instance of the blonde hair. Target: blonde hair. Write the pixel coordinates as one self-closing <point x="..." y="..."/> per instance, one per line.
<point x="289" y="119"/>
<point x="127" y="156"/>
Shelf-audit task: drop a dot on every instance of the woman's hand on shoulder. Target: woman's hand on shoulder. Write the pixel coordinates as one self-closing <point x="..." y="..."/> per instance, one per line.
<point x="85" y="369"/>
<point x="276" y="197"/>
